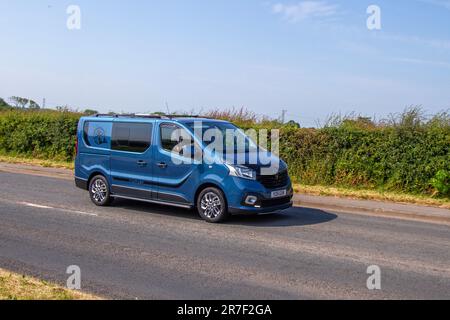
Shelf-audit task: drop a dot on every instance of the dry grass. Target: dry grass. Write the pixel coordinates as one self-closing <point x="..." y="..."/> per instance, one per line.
<point x="373" y="195"/>
<point x="242" y="117"/>
<point x="18" y="287"/>
<point x="37" y="162"/>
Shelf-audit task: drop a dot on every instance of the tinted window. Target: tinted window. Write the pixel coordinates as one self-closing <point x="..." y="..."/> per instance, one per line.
<point x="131" y="137"/>
<point x="86" y="133"/>
<point x="97" y="134"/>
<point x="174" y="137"/>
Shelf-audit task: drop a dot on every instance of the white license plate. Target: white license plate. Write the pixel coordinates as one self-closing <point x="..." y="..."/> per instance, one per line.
<point x="279" y="193"/>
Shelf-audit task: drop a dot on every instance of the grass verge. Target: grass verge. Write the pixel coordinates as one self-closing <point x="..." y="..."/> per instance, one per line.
<point x="37" y="162"/>
<point x="18" y="287"/>
<point x="373" y="195"/>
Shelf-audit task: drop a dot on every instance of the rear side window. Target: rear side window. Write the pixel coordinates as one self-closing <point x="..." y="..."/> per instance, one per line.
<point x="131" y="137"/>
<point x="97" y="134"/>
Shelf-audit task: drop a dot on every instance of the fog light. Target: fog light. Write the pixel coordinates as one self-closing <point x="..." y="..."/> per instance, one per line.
<point x="251" y="200"/>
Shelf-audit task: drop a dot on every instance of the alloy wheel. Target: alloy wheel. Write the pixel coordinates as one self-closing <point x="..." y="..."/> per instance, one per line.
<point x="211" y="205"/>
<point x="99" y="191"/>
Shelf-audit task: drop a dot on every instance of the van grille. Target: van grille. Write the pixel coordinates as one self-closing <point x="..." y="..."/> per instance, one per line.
<point x="274" y="181"/>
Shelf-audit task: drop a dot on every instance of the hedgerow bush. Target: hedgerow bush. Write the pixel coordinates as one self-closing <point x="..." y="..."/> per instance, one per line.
<point x="403" y="156"/>
<point x="441" y="182"/>
<point x="40" y="134"/>
<point x="407" y="153"/>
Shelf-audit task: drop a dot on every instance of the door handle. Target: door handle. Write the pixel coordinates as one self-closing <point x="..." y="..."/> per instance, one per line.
<point x="142" y="163"/>
<point x="162" y="165"/>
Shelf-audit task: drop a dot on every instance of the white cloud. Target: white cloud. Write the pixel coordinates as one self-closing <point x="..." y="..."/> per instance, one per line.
<point x="304" y="10"/>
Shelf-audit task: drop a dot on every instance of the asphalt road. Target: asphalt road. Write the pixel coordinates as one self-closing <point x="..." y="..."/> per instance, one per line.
<point x="134" y="250"/>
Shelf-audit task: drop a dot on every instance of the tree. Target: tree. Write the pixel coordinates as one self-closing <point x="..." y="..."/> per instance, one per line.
<point x="18" y="102"/>
<point x="4" y="104"/>
<point x="33" y="105"/>
<point x="23" y="103"/>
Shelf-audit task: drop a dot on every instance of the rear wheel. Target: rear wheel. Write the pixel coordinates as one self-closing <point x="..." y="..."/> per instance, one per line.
<point x="211" y="205"/>
<point x="99" y="191"/>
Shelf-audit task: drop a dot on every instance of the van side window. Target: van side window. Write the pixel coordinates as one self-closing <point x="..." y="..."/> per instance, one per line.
<point x="174" y="137"/>
<point x="97" y="134"/>
<point x="131" y="137"/>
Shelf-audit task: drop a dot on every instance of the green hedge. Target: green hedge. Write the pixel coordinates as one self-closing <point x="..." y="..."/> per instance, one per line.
<point x="397" y="159"/>
<point x="40" y="134"/>
<point x="412" y="158"/>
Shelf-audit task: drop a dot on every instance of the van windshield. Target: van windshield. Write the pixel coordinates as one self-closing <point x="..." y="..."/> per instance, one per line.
<point x="233" y="139"/>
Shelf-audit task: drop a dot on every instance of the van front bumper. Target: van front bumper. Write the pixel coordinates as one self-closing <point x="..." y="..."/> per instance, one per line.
<point x="263" y="205"/>
<point x="237" y="190"/>
<point x="254" y="210"/>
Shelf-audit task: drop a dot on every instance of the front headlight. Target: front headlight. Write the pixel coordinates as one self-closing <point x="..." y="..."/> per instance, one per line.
<point x="241" y="172"/>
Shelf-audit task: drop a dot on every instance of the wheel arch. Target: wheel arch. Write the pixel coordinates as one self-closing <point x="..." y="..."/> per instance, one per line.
<point x="94" y="174"/>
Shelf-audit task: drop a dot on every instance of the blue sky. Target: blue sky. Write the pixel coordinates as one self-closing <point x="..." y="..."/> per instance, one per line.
<point x="312" y="58"/>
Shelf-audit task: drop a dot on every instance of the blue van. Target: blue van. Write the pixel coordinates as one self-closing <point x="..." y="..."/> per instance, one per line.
<point x="137" y="157"/>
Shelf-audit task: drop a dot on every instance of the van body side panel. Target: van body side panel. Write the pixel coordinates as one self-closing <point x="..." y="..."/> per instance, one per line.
<point x="128" y="176"/>
<point x="175" y="182"/>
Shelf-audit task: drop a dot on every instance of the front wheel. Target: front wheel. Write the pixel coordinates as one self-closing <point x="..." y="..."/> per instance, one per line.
<point x="211" y="205"/>
<point x="99" y="191"/>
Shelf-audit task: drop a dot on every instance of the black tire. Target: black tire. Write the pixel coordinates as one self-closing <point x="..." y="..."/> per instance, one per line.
<point x="99" y="191"/>
<point x="212" y="205"/>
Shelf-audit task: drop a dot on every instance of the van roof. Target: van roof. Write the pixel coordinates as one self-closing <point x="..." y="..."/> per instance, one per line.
<point x="178" y="118"/>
